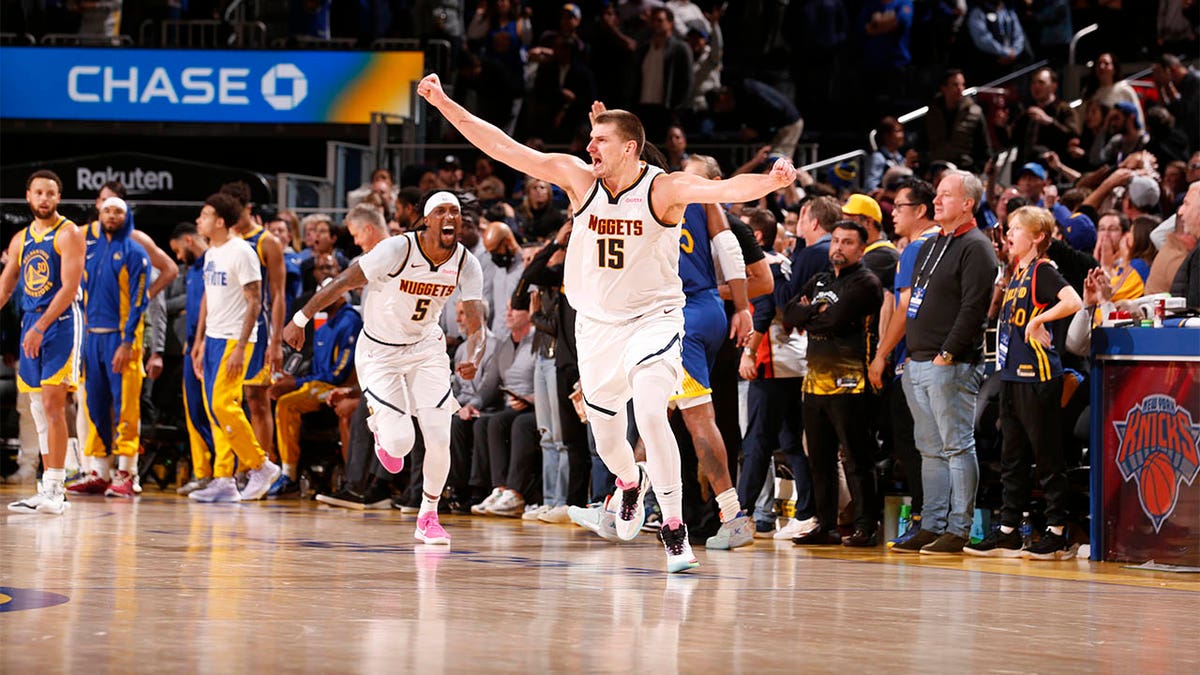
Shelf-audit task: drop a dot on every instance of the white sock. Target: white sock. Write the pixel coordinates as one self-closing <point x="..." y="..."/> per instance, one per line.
<point x="289" y="470"/>
<point x="102" y="466"/>
<point x="670" y="500"/>
<point x="1056" y="529"/>
<point x="728" y="502"/>
<point x="1006" y="529"/>
<point x="127" y="463"/>
<point x="53" y="478"/>
<point x="428" y="504"/>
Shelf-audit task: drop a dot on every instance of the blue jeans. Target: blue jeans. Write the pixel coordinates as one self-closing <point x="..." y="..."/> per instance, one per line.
<point x="555" y="476"/>
<point x="942" y="400"/>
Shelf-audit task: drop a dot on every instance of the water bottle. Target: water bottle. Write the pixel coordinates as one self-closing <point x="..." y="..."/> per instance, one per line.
<point x="1026" y="530"/>
<point x="905" y="519"/>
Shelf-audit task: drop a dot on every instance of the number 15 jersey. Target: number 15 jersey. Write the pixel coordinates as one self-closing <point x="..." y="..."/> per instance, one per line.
<point x="406" y="291"/>
<point x="622" y="261"/>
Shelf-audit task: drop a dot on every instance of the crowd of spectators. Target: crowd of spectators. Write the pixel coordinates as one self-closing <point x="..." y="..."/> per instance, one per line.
<point x="1119" y="176"/>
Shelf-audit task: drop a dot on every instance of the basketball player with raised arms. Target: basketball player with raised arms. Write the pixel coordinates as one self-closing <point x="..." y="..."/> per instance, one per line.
<point x="46" y="261"/>
<point x="622" y="277"/>
<point x="401" y="359"/>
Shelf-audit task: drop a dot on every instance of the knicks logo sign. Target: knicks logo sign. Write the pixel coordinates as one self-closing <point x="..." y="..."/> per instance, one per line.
<point x="37" y="274"/>
<point x="1159" y="448"/>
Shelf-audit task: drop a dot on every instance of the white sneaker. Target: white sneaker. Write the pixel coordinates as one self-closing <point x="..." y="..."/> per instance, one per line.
<point x="260" y="480"/>
<point x="509" y="505"/>
<point x="54" y="501"/>
<point x="679" y="552"/>
<point x="534" y="512"/>
<point x="556" y="515"/>
<point x="481" y="509"/>
<point x="193" y="485"/>
<point x="27" y="505"/>
<point x="631" y="507"/>
<point x="797" y="528"/>
<point x="218" y="490"/>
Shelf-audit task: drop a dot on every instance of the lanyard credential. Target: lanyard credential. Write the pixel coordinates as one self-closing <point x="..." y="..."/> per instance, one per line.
<point x="918" y="290"/>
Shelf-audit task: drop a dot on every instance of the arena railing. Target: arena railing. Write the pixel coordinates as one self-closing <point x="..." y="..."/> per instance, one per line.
<point x="17" y="40"/>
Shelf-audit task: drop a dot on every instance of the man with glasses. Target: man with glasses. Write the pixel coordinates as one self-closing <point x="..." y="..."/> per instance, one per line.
<point x="913" y="217"/>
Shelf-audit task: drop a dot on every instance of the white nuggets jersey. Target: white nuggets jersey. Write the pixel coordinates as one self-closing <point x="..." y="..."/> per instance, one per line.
<point x="406" y="292"/>
<point x="622" y="262"/>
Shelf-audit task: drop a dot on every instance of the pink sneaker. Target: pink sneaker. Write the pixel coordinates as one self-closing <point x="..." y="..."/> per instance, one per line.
<point x="430" y="531"/>
<point x="392" y="464"/>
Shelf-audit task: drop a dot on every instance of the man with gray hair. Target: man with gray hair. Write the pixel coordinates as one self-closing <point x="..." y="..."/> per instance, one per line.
<point x="946" y="316"/>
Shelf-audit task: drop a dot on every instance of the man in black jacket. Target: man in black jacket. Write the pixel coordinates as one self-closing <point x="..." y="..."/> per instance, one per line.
<point x="835" y="308"/>
<point x="947" y="314"/>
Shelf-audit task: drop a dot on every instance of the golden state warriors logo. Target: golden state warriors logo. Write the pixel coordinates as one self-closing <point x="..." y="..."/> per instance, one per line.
<point x="1159" y="448"/>
<point x="17" y="599"/>
<point x="37" y="273"/>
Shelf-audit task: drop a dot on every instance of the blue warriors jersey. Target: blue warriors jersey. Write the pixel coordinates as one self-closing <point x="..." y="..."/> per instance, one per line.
<point x="695" y="253"/>
<point x="254" y="237"/>
<point x="41" y="266"/>
<point x="1030" y="292"/>
<point x="195" y="296"/>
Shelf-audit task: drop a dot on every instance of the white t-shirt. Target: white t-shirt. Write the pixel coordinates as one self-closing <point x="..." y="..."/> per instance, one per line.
<point x="406" y="292"/>
<point x="227" y="268"/>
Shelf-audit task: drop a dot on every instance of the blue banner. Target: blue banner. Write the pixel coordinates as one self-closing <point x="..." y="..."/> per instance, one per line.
<point x="184" y="85"/>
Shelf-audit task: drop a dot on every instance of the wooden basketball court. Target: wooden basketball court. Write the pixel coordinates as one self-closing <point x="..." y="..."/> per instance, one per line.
<point x="162" y="584"/>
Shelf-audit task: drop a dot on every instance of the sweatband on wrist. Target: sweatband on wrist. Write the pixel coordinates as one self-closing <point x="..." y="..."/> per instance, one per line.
<point x="299" y="319"/>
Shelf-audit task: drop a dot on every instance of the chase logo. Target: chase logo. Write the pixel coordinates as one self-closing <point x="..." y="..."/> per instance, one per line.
<point x="284" y="86"/>
<point x="1158" y="447"/>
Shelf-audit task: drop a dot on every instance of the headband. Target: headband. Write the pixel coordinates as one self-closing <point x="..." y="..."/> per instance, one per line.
<point x="440" y="198"/>
<point x="115" y="201"/>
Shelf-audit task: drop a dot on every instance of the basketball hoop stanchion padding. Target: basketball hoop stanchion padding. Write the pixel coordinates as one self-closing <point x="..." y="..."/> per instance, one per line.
<point x="1145" y="436"/>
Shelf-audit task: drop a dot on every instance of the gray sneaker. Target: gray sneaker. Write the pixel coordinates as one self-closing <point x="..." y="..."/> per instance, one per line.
<point x="218" y="490"/>
<point x="193" y="485"/>
<point x="734" y="534"/>
<point x="596" y="518"/>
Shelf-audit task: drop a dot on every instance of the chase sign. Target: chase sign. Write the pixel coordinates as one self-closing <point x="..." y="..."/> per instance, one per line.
<point x="173" y="85"/>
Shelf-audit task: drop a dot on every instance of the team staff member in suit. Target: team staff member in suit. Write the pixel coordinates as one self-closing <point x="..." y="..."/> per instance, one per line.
<point x="225" y="339"/>
<point x="114" y="300"/>
<point x="46" y="260"/>
<point x="332" y="365"/>
<point x="190" y="248"/>
<point x="947" y="313"/>
<point x="1031" y="376"/>
<point x="267" y="357"/>
<point x="835" y="309"/>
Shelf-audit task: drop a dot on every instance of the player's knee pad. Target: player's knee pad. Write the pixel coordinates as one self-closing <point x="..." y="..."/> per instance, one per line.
<point x="393" y="431"/>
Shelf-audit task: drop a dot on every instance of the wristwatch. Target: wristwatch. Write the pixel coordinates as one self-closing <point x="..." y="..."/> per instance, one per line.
<point x="946" y="356"/>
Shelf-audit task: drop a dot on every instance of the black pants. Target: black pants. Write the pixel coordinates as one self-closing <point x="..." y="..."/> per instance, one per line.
<point x="462" y="440"/>
<point x="904" y="445"/>
<point x="361" y="461"/>
<point x="1029" y="419"/>
<point x="498" y="458"/>
<point x="575" y="436"/>
<point x="723" y="378"/>
<point x="830" y="421"/>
